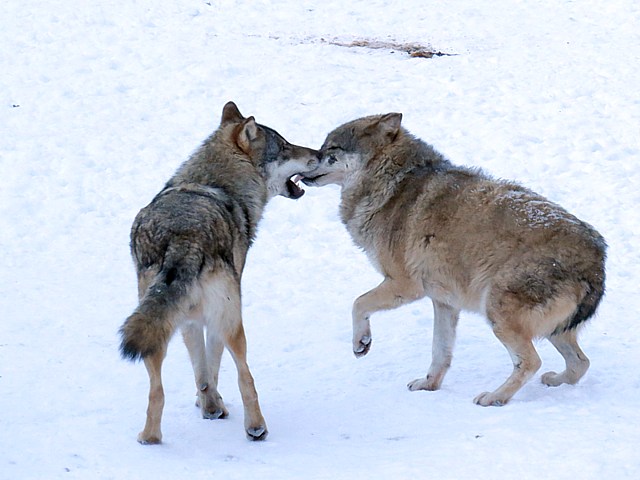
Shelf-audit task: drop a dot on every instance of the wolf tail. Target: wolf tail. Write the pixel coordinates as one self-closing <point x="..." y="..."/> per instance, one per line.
<point x="150" y="327"/>
<point x="589" y="304"/>
<point x="594" y="288"/>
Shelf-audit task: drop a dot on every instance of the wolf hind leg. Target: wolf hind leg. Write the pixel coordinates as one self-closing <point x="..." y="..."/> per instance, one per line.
<point x="526" y="363"/>
<point x="576" y="361"/>
<point x="445" y="321"/>
<point x="224" y="326"/>
<point x="255" y="426"/>
<point x="206" y="374"/>
<point x="151" y="434"/>
<point x="215" y="349"/>
<point x="391" y="293"/>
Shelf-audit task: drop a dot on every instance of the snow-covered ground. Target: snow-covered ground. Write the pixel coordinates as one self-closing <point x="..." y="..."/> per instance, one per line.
<point x="101" y="101"/>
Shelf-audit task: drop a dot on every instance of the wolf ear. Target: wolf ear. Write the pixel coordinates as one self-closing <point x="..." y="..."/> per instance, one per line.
<point x="248" y="133"/>
<point x="389" y="124"/>
<point x="231" y="114"/>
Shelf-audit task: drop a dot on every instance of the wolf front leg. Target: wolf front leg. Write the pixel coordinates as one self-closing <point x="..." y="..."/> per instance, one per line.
<point x="151" y="434"/>
<point x="445" y="321"/>
<point x="391" y="293"/>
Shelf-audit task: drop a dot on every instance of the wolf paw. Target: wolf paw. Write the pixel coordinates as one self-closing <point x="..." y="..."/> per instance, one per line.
<point x="215" y="415"/>
<point x="552" y="379"/>
<point x="258" y="433"/>
<point x="145" y="439"/>
<point x="361" y="347"/>
<point x="488" y="399"/>
<point x="211" y="405"/>
<point x="425" y="383"/>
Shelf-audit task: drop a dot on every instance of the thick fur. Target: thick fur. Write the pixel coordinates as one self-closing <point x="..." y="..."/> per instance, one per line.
<point x="189" y="246"/>
<point x="468" y="242"/>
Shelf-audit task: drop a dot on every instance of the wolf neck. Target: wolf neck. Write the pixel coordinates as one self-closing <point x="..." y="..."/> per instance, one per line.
<point x="218" y="165"/>
<point x="377" y="181"/>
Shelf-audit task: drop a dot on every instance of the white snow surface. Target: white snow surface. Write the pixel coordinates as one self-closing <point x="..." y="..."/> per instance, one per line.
<point x="101" y="101"/>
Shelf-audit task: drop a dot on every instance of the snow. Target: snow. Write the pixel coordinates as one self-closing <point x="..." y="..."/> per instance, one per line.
<point x="101" y="101"/>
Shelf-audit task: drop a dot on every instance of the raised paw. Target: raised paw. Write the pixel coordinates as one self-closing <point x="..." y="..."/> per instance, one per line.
<point x="488" y="399"/>
<point x="362" y="346"/>
<point x="258" y="433"/>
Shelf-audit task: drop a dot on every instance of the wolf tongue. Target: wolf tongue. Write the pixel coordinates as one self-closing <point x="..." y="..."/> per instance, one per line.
<point x="294" y="190"/>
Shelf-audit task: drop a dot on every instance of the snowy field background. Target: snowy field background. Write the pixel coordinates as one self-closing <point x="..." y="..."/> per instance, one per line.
<point x="101" y="101"/>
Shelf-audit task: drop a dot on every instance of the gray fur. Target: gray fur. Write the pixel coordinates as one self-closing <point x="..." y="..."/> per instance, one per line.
<point x="189" y="246"/>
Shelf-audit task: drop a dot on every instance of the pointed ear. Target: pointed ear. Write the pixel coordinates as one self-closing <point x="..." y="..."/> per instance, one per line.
<point x="389" y="124"/>
<point x="248" y="133"/>
<point x="231" y="114"/>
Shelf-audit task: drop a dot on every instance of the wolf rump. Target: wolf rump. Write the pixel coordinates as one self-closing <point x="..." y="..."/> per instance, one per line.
<point x="466" y="241"/>
<point x="189" y="246"/>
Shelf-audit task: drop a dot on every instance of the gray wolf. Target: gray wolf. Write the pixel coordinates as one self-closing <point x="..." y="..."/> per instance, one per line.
<point x="468" y="242"/>
<point x="189" y="247"/>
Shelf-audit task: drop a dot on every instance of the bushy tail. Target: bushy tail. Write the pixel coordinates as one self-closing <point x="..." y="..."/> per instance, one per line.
<point x="587" y="308"/>
<point x="150" y="327"/>
<point x="594" y="285"/>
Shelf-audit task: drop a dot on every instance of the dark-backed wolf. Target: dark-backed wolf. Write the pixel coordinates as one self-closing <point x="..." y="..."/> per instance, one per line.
<point x="468" y="242"/>
<point x="189" y="246"/>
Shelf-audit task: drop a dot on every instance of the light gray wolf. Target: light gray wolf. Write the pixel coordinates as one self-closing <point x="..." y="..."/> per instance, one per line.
<point x="468" y="242"/>
<point x="189" y="247"/>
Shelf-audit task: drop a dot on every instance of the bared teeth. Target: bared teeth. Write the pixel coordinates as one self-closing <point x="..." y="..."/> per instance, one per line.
<point x="294" y="189"/>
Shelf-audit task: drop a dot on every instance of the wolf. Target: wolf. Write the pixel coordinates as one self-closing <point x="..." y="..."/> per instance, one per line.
<point x="467" y="241"/>
<point x="189" y="246"/>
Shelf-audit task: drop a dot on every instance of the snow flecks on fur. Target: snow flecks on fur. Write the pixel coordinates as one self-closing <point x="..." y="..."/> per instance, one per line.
<point x="533" y="211"/>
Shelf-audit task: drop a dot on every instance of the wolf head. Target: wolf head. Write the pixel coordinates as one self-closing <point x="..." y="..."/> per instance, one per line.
<point x="352" y="145"/>
<point x="277" y="159"/>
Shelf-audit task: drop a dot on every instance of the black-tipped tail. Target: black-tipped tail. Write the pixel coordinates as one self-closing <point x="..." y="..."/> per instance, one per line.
<point x="594" y="287"/>
<point x="588" y="306"/>
<point x="592" y="280"/>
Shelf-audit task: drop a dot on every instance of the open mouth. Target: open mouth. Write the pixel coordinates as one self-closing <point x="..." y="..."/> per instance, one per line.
<point x="311" y="180"/>
<point x="293" y="189"/>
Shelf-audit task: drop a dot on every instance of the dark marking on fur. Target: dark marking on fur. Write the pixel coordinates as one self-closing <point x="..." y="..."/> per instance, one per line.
<point x="171" y="276"/>
<point x="539" y="286"/>
<point x="249" y="230"/>
<point x="274" y="145"/>
<point x="427" y="239"/>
